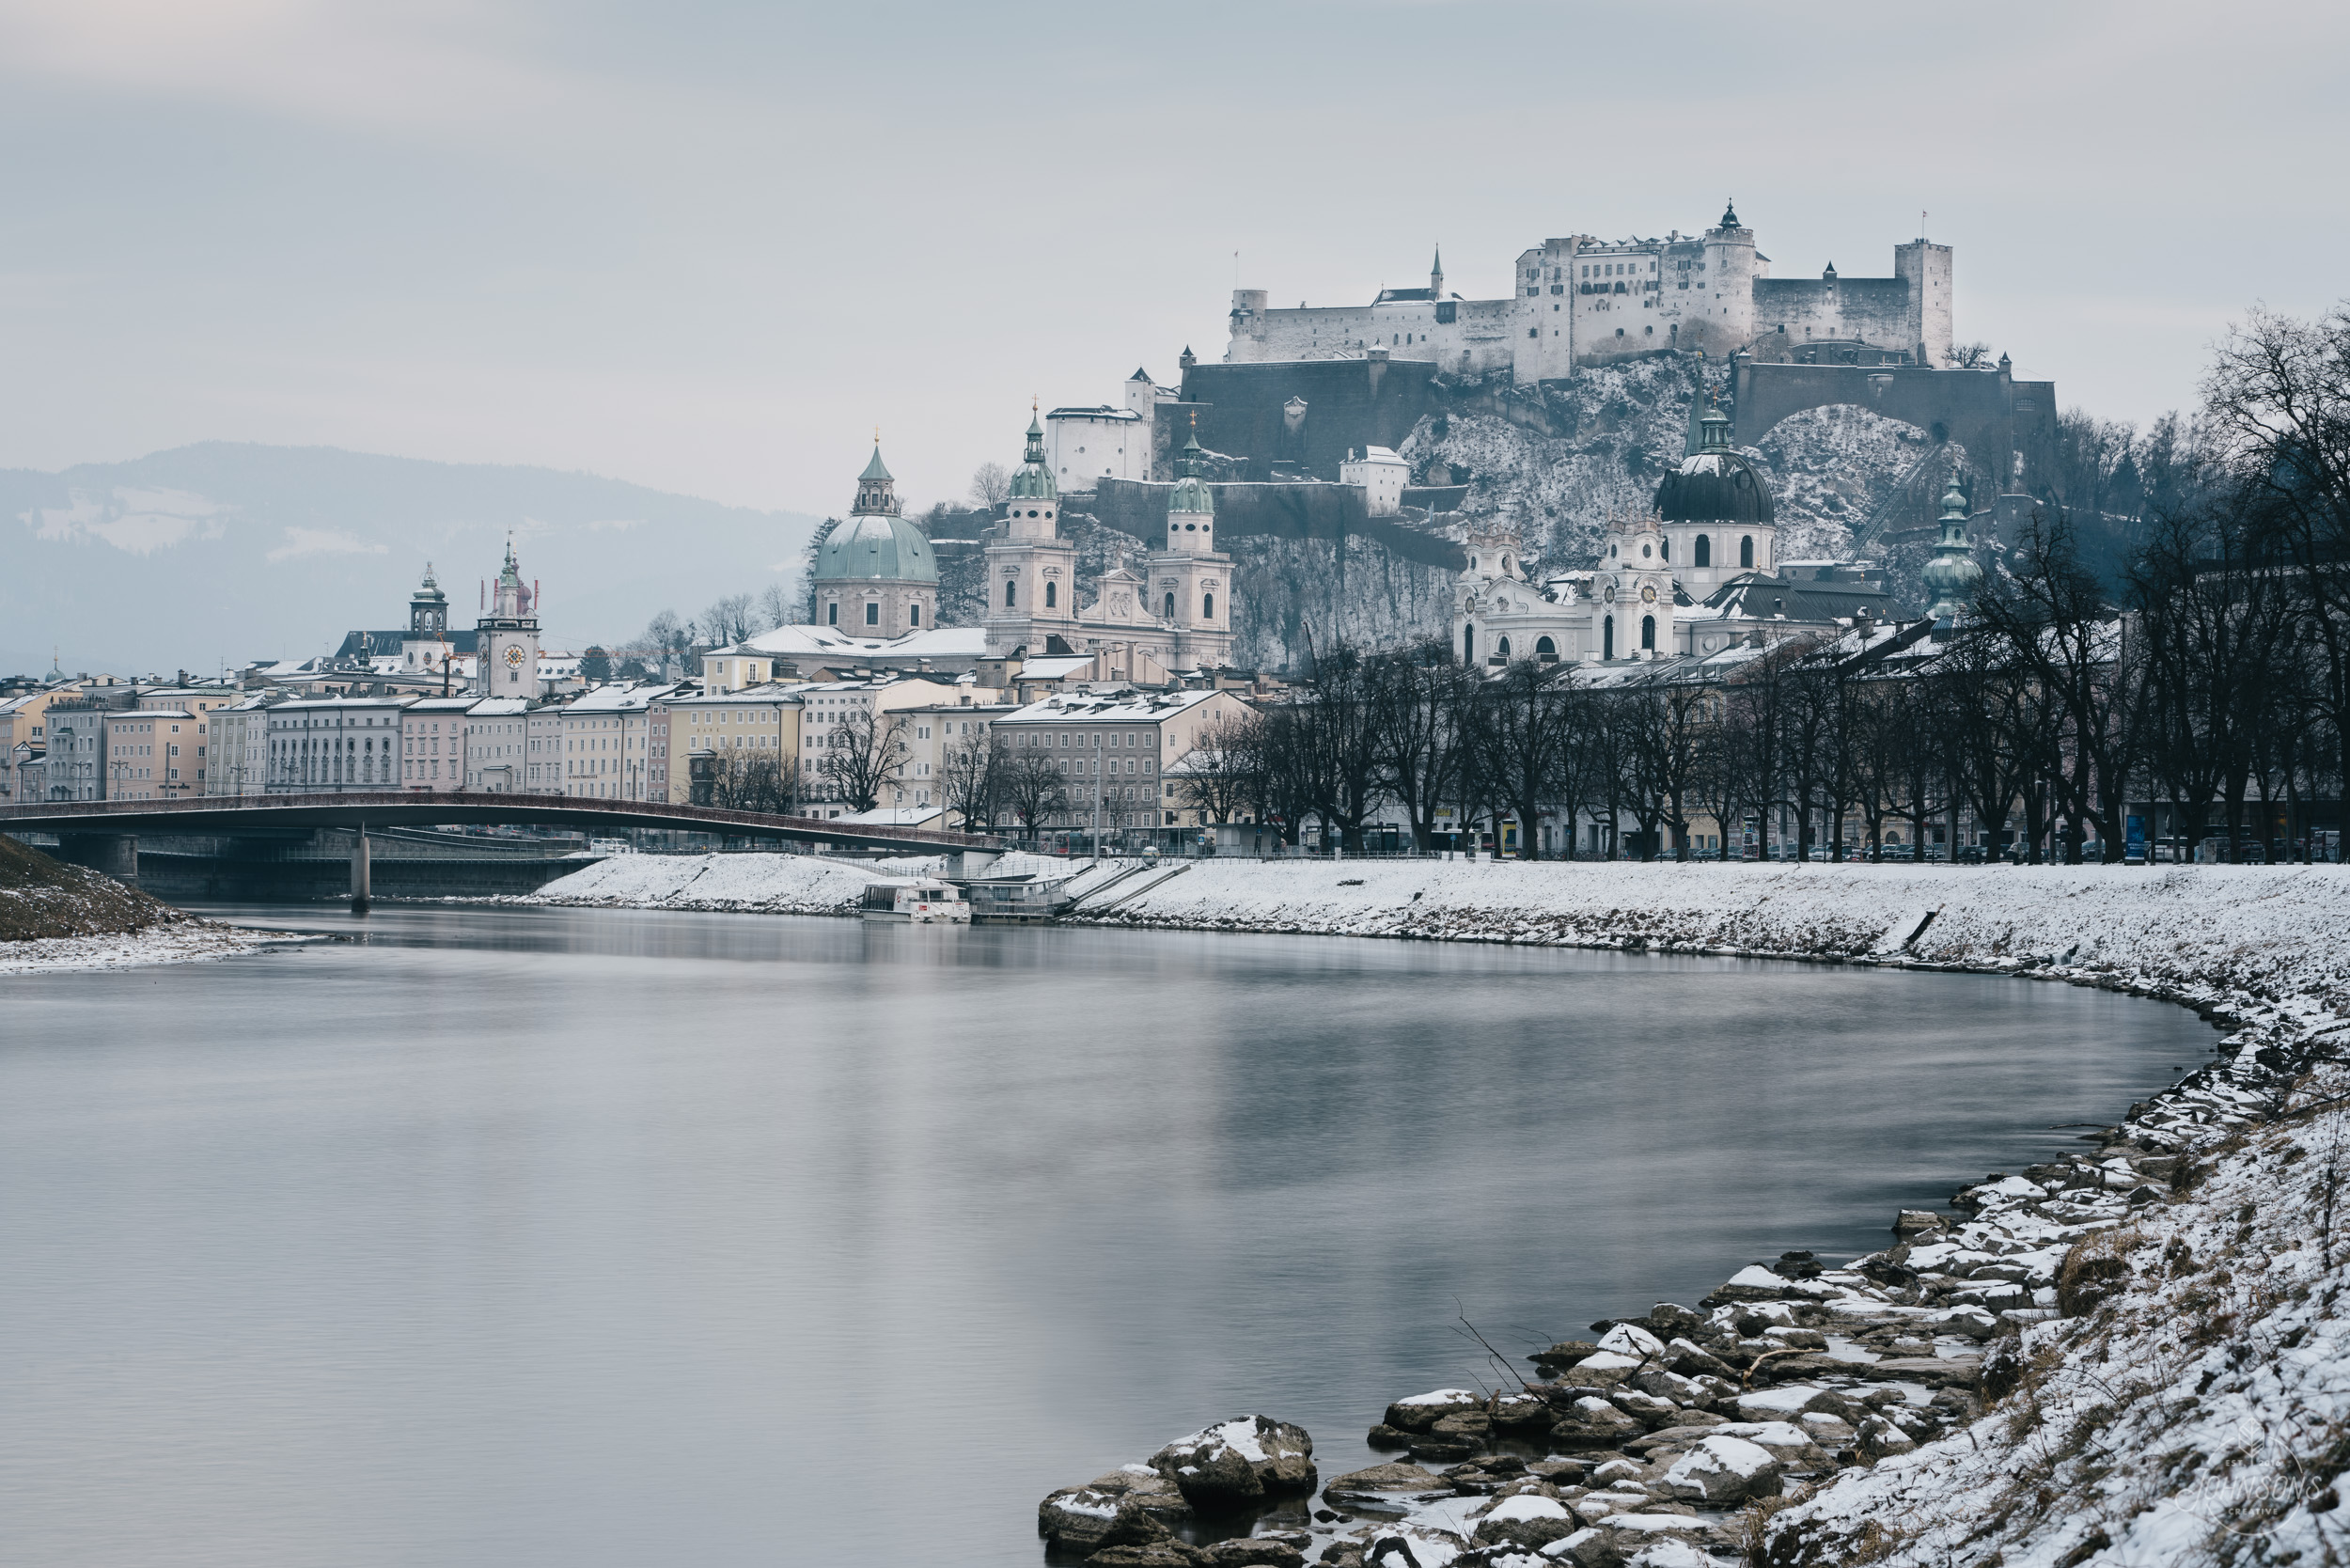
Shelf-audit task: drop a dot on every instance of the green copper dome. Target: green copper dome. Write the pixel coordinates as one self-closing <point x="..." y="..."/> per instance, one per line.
<point x="1034" y="481"/>
<point x="876" y="548"/>
<point x="1191" y="497"/>
<point x="874" y="544"/>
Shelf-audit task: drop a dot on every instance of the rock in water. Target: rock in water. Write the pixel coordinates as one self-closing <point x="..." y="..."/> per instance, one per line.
<point x="1236" y="1464"/>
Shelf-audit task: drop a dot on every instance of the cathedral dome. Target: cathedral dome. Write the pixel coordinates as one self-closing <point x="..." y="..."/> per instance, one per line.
<point x="877" y="547"/>
<point x="1715" y="483"/>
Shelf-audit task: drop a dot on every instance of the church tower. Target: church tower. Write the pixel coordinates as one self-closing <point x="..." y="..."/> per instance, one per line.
<point x="1190" y="581"/>
<point x="427" y="642"/>
<point x="1030" y="570"/>
<point x="506" y="646"/>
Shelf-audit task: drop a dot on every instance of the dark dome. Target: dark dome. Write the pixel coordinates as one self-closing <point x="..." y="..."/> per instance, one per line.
<point x="1715" y="487"/>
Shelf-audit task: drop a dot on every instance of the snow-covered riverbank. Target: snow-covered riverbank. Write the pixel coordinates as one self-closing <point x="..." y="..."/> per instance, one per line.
<point x="2169" y="1377"/>
<point x="187" y="942"/>
<point x="746" y="883"/>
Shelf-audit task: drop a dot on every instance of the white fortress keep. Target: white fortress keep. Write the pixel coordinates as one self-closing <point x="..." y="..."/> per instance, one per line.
<point x="1580" y="301"/>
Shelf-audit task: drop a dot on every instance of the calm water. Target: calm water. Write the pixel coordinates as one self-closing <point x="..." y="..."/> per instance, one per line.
<point x="598" y="1237"/>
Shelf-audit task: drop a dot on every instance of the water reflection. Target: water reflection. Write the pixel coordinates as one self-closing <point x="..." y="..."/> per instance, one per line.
<point x="512" y="1236"/>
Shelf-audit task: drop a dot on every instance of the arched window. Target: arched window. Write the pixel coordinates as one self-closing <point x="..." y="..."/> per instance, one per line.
<point x="1207" y="606"/>
<point x="1607" y="638"/>
<point x="873" y="613"/>
<point x="1705" y="550"/>
<point x="1546" y="651"/>
<point x="1170" y="607"/>
<point x="1011" y="587"/>
<point x="1648" y="632"/>
<point x="1052" y="594"/>
<point x="1501" y="652"/>
<point x="914" y="614"/>
<point x="1665" y="548"/>
<point x="1745" y="551"/>
<point x="1468" y="644"/>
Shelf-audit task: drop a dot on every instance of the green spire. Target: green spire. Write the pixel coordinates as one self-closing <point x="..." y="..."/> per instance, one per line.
<point x="1191" y="499"/>
<point x="1034" y="481"/>
<point x="876" y="469"/>
<point x="876" y="495"/>
<point x="1953" y="575"/>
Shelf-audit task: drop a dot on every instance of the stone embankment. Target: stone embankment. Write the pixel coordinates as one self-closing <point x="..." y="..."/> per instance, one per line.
<point x="54" y="916"/>
<point x="2135" y="1354"/>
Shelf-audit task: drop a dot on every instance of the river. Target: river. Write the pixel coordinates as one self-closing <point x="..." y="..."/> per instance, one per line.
<point x="542" y="1236"/>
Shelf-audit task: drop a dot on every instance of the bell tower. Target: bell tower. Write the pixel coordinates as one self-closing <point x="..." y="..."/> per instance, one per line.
<point x="1190" y="581"/>
<point x="506" y="645"/>
<point x="1030" y="571"/>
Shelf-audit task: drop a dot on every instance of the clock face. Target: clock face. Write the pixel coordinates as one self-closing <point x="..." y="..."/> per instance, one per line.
<point x="1648" y="593"/>
<point x="514" y="656"/>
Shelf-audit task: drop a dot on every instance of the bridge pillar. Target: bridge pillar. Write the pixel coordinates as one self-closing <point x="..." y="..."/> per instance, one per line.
<point x="115" y="853"/>
<point x="359" y="870"/>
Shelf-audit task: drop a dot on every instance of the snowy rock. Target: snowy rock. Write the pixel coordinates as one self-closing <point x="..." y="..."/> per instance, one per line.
<point x="1423" y="1411"/>
<point x="1592" y="1423"/>
<point x="1526" y="1521"/>
<point x="1235" y="1463"/>
<point x="1722" y="1471"/>
<point x="1385" y="1488"/>
<point x="1878" y="1438"/>
<point x="1604" y="1367"/>
<point x="1627" y="1339"/>
<point x="1413" y="1545"/>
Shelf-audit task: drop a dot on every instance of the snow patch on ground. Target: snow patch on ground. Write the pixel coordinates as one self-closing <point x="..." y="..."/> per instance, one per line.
<point x="754" y="884"/>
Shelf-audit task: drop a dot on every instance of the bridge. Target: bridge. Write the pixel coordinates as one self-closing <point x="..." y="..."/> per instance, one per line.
<point x="103" y="834"/>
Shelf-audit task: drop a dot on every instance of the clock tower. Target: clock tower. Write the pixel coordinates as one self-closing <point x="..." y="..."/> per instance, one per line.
<point x="506" y="645"/>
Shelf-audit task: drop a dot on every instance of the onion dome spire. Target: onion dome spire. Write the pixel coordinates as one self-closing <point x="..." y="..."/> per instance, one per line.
<point x="1034" y="481"/>
<point x="1953" y="575"/>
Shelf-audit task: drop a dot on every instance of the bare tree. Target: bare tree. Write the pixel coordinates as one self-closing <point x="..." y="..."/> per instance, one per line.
<point x="1222" y="775"/>
<point x="971" y="780"/>
<point x="862" y="754"/>
<point x="991" y="485"/>
<point x="1034" y="790"/>
<point x="752" y="781"/>
<point x="776" y="606"/>
<point x="729" y="620"/>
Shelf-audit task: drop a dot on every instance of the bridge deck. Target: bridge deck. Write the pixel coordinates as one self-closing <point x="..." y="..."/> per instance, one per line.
<point x="427" y="808"/>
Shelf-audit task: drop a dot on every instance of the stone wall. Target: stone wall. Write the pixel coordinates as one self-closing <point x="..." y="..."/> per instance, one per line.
<point x="1995" y="417"/>
<point x="1244" y="410"/>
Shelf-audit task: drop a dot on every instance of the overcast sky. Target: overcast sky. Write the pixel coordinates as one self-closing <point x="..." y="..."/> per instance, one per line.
<point x="709" y="247"/>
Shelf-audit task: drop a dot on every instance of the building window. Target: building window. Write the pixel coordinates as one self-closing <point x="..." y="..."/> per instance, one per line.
<point x="1501" y="652"/>
<point x="1648" y="631"/>
<point x="1009" y="589"/>
<point x="914" y="615"/>
<point x="1705" y="550"/>
<point x="1207" y="606"/>
<point x="873" y="613"/>
<point x="1745" y="551"/>
<point x="831" y="615"/>
<point x="1468" y="645"/>
<point x="1052" y="595"/>
<point x="1546" y="650"/>
<point x="1607" y="638"/>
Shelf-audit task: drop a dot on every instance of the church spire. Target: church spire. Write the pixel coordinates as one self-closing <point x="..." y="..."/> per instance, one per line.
<point x="876" y="493"/>
<point x="1034" y="481"/>
<point x="1435" y="276"/>
<point x="1953" y="575"/>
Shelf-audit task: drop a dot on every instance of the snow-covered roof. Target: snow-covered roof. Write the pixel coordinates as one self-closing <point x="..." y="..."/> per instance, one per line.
<point x="936" y="642"/>
<point x="1100" y="411"/>
<point x="620" y="699"/>
<point x="1123" y="706"/>
<point x="1381" y="454"/>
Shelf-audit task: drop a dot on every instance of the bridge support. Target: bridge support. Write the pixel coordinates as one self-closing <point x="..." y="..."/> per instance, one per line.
<point x="970" y="863"/>
<point x="115" y="853"/>
<point x="359" y="870"/>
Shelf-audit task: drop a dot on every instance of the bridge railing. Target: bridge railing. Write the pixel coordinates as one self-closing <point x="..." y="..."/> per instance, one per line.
<point x="516" y="804"/>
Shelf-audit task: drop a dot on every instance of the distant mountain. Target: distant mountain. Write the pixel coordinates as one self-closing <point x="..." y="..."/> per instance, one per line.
<point x="224" y="551"/>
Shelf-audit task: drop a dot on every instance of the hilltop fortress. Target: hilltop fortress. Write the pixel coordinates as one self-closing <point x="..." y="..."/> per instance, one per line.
<point x="1582" y="302"/>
